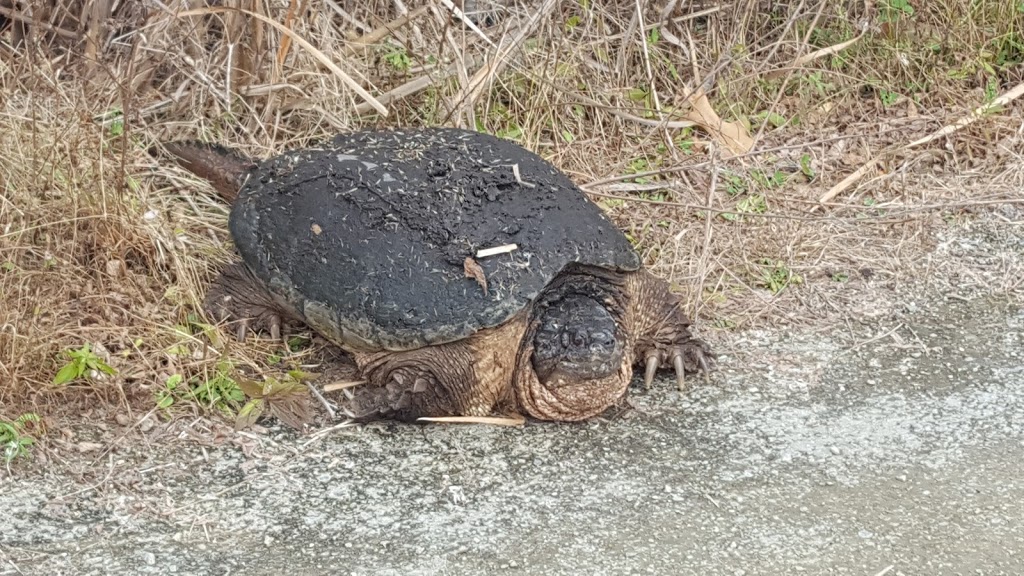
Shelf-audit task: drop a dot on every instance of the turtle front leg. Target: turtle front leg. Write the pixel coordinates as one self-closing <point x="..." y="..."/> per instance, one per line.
<point x="662" y="331"/>
<point x="236" y="296"/>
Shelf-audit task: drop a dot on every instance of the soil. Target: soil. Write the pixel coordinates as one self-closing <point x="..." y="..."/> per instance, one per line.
<point x="890" y="445"/>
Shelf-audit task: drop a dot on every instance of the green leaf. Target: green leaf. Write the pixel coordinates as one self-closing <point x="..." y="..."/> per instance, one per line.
<point x="637" y="94"/>
<point x="97" y="364"/>
<point x="66" y="374"/>
<point x="164" y="401"/>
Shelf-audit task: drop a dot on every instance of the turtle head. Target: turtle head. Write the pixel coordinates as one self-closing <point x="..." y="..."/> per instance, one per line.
<point x="574" y="360"/>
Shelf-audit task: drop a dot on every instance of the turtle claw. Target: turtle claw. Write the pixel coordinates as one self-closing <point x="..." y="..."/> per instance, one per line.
<point x="651" y="369"/>
<point x="690" y="355"/>
<point x="242" y="329"/>
<point x="704" y="368"/>
<point x="236" y="296"/>
<point x="275" y="327"/>
<point x="677" y="363"/>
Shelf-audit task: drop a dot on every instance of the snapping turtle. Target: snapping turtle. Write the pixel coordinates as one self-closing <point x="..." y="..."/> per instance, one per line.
<point x="379" y="241"/>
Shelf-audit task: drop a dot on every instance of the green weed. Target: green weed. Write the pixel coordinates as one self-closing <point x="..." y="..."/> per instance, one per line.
<point x="219" y="392"/>
<point x="15" y="437"/>
<point x="775" y="276"/>
<point x="81" y="363"/>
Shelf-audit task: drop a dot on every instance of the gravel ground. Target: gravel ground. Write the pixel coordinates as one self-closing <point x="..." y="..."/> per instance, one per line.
<point x="892" y="445"/>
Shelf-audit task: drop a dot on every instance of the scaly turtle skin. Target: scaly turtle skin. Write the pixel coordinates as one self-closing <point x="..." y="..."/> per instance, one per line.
<point x="372" y="240"/>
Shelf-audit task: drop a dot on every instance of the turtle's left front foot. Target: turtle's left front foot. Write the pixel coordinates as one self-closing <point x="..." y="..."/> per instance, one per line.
<point x="692" y="355"/>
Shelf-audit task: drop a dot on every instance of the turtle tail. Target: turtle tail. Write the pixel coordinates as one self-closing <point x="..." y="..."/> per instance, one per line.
<point x="223" y="167"/>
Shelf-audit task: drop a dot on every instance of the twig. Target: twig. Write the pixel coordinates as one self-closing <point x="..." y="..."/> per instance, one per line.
<point x="496" y="250"/>
<point x="789" y="76"/>
<point x="518" y="421"/>
<point x="674" y="124"/>
<point x="335" y="386"/>
<point x="467" y="22"/>
<point x="321" y="433"/>
<point x="110" y="471"/>
<point x="650" y="78"/>
<point x="705" y="252"/>
<point x="382" y="32"/>
<point x="316" y="394"/>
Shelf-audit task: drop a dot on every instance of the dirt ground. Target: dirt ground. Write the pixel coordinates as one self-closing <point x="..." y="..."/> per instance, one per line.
<point x="889" y="445"/>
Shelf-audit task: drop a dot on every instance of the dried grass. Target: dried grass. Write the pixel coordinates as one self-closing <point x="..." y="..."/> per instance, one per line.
<point x="102" y="244"/>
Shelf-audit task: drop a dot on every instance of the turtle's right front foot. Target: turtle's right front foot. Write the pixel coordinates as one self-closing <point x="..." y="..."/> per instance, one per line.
<point x="237" y="297"/>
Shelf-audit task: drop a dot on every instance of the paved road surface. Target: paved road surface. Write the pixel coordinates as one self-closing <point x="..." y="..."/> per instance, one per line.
<point x="895" y="450"/>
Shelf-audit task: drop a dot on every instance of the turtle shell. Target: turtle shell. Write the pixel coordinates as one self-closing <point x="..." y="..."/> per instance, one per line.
<point x="368" y="237"/>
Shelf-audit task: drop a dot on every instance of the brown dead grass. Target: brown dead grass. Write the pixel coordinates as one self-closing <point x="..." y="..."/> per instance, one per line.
<point x="102" y="244"/>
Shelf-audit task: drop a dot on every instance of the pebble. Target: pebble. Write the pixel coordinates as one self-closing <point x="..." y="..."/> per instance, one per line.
<point x="84" y="447"/>
<point x="115" y="268"/>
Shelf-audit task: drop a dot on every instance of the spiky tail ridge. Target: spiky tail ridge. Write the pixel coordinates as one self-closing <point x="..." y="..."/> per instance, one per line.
<point x="223" y="167"/>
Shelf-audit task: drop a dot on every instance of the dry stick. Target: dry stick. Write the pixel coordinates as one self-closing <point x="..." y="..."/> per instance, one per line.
<point x="286" y="42"/>
<point x="460" y="61"/>
<point x="320" y="56"/>
<point x="334" y="386"/>
<point x="676" y="20"/>
<point x="316" y="394"/>
<point x="475" y="420"/>
<point x="676" y="124"/>
<point x="708" y="217"/>
<point x="19" y="17"/>
<point x="821" y="52"/>
<point x="347" y="17"/>
<point x="793" y="15"/>
<point x="620" y="62"/>
<point x="975" y="115"/>
<point x="495" y="65"/>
